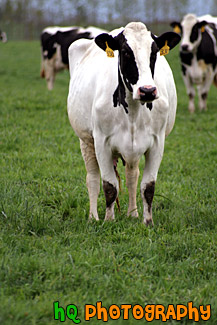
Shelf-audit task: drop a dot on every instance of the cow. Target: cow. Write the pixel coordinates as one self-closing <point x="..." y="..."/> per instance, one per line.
<point x="198" y="54"/>
<point x="3" y="37"/>
<point x="122" y="105"/>
<point x="55" y="42"/>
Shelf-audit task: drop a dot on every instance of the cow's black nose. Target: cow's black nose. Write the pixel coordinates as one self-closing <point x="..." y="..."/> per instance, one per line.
<point x="185" y="48"/>
<point x="147" y="94"/>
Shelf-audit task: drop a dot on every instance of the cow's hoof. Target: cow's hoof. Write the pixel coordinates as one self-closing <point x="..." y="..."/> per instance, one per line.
<point x="148" y="222"/>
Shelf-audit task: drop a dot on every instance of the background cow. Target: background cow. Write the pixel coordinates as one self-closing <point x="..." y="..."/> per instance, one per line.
<point x="198" y="53"/>
<point x="3" y="37"/>
<point x="140" y="81"/>
<point x="55" y="42"/>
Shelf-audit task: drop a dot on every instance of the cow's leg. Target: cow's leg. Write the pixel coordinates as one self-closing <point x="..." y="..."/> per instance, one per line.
<point x="132" y="175"/>
<point x="49" y="70"/>
<point x="93" y="176"/>
<point x="42" y="71"/>
<point x="190" y="91"/>
<point x="203" y="91"/>
<point x="153" y="159"/>
<point x="109" y="179"/>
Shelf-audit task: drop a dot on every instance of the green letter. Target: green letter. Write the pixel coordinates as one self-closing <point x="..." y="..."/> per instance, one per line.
<point x="72" y="315"/>
<point x="58" y="310"/>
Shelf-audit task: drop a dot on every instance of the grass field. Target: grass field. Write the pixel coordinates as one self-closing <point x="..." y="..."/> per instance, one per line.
<point x="48" y="250"/>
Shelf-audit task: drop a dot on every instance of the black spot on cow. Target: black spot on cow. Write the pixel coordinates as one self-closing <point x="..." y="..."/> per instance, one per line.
<point x="153" y="57"/>
<point x="186" y="57"/>
<point x="195" y="31"/>
<point x="149" y="194"/>
<point x="204" y="96"/>
<point x="110" y="192"/>
<point x="183" y="69"/>
<point x="206" y="49"/>
<point x="120" y="94"/>
<point x="64" y="39"/>
<point x="48" y="48"/>
<point x="128" y="64"/>
<point x="149" y="106"/>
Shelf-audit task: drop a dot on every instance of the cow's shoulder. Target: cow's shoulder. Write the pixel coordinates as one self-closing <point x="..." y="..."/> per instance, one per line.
<point x="78" y="51"/>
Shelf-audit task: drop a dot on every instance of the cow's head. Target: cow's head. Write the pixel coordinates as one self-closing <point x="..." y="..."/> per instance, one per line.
<point x="191" y="30"/>
<point x="137" y="56"/>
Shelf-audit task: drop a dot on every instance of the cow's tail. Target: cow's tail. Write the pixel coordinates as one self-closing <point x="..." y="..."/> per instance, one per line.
<point x="215" y="80"/>
<point x="42" y="73"/>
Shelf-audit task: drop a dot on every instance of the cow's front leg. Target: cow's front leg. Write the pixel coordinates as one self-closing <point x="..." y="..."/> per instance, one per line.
<point x="111" y="193"/>
<point x="190" y="91"/>
<point x="203" y="90"/>
<point x="109" y="180"/>
<point x="132" y="174"/>
<point x="153" y="159"/>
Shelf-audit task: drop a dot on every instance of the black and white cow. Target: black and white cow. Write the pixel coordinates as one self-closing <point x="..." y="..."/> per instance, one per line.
<point x="135" y="77"/>
<point x="3" y="37"/>
<point x="55" y="42"/>
<point x="198" y="53"/>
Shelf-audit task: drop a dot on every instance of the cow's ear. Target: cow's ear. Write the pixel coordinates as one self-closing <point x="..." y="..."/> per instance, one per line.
<point x="106" y="41"/>
<point x="167" y="41"/>
<point x="202" y="25"/>
<point x="177" y="27"/>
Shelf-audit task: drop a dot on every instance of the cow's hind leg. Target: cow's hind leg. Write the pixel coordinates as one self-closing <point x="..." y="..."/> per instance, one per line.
<point x="93" y="176"/>
<point x="132" y="174"/>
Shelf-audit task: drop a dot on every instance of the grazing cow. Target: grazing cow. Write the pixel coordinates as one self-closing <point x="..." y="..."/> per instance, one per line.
<point x="55" y="42"/>
<point x="140" y="81"/>
<point x="198" y="53"/>
<point x="3" y="37"/>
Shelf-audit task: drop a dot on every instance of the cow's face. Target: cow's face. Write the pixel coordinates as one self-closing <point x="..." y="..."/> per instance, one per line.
<point x="137" y="56"/>
<point x="191" y="30"/>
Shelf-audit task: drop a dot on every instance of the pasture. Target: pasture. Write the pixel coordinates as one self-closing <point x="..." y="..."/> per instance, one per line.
<point x="48" y="250"/>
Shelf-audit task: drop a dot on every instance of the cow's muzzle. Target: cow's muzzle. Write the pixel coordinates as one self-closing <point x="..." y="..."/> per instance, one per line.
<point x="147" y="93"/>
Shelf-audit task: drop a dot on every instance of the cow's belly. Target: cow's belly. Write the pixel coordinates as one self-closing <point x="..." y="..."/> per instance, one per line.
<point x="80" y="119"/>
<point x="200" y="72"/>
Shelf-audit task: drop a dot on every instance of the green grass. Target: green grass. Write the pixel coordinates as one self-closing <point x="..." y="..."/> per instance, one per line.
<point x="48" y="250"/>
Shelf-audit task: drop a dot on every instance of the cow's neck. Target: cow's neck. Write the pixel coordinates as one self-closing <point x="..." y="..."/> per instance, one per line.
<point x="134" y="108"/>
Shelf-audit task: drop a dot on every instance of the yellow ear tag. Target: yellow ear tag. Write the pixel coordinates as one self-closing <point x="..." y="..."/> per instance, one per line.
<point x="165" y="49"/>
<point x="202" y="29"/>
<point x="109" y="51"/>
<point x="177" y="29"/>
